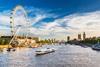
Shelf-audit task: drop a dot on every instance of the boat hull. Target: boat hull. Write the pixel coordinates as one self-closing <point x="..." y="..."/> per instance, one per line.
<point x="44" y="52"/>
<point x="96" y="49"/>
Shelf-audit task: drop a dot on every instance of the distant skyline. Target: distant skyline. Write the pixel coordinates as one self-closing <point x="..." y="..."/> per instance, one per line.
<point x="53" y="18"/>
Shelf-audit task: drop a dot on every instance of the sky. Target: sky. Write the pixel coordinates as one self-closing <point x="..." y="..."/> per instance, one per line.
<point x="51" y="18"/>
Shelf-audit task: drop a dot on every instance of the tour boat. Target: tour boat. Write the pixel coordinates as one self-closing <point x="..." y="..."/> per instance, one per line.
<point x="45" y="51"/>
<point x="96" y="46"/>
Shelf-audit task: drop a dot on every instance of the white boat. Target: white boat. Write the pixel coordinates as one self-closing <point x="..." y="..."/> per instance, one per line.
<point x="96" y="46"/>
<point x="45" y="51"/>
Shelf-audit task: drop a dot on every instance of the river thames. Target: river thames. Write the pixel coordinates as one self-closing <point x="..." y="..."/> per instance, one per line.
<point x="64" y="56"/>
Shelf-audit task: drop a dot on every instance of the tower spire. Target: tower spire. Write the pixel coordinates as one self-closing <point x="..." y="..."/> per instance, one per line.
<point x="84" y="36"/>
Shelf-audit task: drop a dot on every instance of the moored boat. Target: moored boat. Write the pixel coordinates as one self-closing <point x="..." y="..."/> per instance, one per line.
<point x="11" y="49"/>
<point x="96" y="46"/>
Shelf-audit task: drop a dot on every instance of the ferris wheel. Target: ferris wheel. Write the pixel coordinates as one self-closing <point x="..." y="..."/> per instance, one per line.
<point x="19" y="21"/>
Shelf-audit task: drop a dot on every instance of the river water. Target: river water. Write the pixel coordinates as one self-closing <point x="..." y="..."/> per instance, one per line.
<point x="64" y="56"/>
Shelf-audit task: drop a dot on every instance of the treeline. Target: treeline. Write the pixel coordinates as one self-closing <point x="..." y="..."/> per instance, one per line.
<point x="93" y="40"/>
<point x="49" y="41"/>
<point x="4" y="41"/>
<point x="87" y="41"/>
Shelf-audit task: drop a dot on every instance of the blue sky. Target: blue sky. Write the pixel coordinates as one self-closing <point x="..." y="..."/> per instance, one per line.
<point x="62" y="17"/>
<point x="58" y="6"/>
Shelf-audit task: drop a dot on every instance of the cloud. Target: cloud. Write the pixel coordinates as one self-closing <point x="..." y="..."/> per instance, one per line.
<point x="74" y="24"/>
<point x="87" y="21"/>
<point x="60" y="28"/>
<point x="19" y="20"/>
<point x="37" y="18"/>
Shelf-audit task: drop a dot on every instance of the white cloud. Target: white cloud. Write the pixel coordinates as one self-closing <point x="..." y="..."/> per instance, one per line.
<point x="88" y="21"/>
<point x="37" y="19"/>
<point x="18" y="20"/>
<point x="59" y="28"/>
<point x="74" y="24"/>
<point x="4" y="20"/>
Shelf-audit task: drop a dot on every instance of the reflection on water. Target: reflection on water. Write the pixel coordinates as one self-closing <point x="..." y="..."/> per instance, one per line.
<point x="64" y="56"/>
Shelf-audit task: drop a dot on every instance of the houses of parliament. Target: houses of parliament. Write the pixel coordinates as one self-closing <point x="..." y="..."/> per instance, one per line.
<point x="79" y="37"/>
